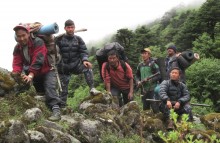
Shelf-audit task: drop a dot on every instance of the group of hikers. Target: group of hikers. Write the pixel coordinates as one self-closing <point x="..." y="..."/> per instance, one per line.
<point x="30" y="60"/>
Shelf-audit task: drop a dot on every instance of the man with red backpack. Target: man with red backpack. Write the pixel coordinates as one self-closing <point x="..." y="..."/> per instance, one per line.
<point x="30" y="58"/>
<point x="117" y="80"/>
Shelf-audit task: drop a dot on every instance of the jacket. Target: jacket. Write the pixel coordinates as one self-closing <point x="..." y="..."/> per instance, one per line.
<point x="174" y="92"/>
<point x="73" y="51"/>
<point x="35" y="59"/>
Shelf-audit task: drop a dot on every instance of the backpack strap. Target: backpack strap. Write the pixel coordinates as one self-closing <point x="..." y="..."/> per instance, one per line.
<point x="123" y="64"/>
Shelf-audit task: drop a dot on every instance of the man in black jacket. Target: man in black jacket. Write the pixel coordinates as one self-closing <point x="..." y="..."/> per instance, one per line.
<point x="174" y="94"/>
<point x="74" y="59"/>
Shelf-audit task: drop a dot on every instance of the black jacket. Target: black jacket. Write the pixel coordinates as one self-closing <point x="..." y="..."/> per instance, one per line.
<point x="73" y="51"/>
<point x="174" y="92"/>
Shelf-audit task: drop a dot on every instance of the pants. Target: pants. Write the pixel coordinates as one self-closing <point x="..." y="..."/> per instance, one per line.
<point x="122" y="95"/>
<point x="49" y="82"/>
<point x="65" y="78"/>
<point x="184" y="109"/>
<point x="147" y="104"/>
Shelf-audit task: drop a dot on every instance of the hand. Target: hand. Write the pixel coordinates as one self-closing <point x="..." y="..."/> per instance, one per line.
<point x="87" y="64"/>
<point x="169" y="104"/>
<point x="27" y="78"/>
<point x="177" y="105"/>
<point x="138" y="84"/>
<point x="130" y="96"/>
<point x="178" y="54"/>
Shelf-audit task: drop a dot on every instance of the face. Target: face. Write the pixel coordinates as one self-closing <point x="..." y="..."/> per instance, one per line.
<point x="22" y="36"/>
<point x="170" y="52"/>
<point x="70" y="29"/>
<point x="175" y="74"/>
<point x="113" y="60"/>
<point x="145" y="55"/>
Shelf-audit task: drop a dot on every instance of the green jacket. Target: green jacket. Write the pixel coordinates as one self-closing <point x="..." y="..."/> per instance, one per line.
<point x="145" y="70"/>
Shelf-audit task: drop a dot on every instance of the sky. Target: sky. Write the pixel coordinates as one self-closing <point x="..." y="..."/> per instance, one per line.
<point x="99" y="17"/>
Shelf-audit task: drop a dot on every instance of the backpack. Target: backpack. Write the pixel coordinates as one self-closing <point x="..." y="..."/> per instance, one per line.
<point x="46" y="34"/>
<point x="162" y="68"/>
<point x="101" y="56"/>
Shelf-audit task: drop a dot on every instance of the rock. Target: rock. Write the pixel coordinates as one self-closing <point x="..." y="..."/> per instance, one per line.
<point x="37" y="137"/>
<point x="32" y="114"/>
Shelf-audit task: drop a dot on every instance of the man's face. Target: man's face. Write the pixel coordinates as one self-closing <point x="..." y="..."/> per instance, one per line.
<point x="145" y="55"/>
<point x="113" y="60"/>
<point x="170" y="52"/>
<point x="175" y="74"/>
<point x="70" y="29"/>
<point x="22" y="36"/>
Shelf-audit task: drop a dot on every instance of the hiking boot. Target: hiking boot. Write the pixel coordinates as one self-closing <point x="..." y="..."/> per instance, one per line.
<point x="170" y="125"/>
<point x="94" y="91"/>
<point x="56" y="116"/>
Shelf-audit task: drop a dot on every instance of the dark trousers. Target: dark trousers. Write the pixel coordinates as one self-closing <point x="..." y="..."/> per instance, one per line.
<point x="184" y="109"/>
<point x="65" y="79"/>
<point x="122" y="95"/>
<point x="49" y="83"/>
<point x="147" y="104"/>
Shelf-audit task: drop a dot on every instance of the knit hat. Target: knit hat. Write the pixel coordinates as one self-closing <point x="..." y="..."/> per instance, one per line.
<point x="146" y="50"/>
<point x="172" y="47"/>
<point x="69" y="22"/>
<point x="22" y="26"/>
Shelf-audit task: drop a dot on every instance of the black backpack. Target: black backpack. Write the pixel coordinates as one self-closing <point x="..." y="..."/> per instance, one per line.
<point x="101" y="56"/>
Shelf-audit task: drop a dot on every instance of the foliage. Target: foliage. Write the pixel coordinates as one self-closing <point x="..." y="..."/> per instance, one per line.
<point x="204" y="43"/>
<point x="182" y="134"/>
<point x="79" y="94"/>
<point x="110" y="137"/>
<point x="207" y="87"/>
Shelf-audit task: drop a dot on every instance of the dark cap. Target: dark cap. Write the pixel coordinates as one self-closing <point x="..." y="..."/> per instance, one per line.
<point x="69" y="22"/>
<point x="22" y="26"/>
<point x="172" y="47"/>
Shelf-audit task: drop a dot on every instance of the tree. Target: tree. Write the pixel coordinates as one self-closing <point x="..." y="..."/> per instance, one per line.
<point x="209" y="15"/>
<point x="124" y="37"/>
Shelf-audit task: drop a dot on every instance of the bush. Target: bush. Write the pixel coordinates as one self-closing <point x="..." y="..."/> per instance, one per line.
<point x="203" y="81"/>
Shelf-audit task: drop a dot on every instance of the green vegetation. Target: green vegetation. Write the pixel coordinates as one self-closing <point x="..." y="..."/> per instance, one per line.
<point x="181" y="134"/>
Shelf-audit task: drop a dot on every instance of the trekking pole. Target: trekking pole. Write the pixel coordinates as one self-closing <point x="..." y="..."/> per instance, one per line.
<point x="58" y="79"/>
<point x="193" y="104"/>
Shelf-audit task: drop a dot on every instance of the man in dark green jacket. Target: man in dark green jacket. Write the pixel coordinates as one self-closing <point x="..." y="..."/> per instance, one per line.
<point x="145" y="69"/>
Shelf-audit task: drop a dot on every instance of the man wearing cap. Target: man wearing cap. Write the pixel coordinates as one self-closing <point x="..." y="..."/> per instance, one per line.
<point x="74" y="59"/>
<point x="171" y="61"/>
<point x="30" y="57"/>
<point x="145" y="69"/>
<point x="174" y="94"/>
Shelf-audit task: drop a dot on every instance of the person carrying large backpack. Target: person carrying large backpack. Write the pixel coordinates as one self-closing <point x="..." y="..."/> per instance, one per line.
<point x="30" y="56"/>
<point x="145" y="69"/>
<point x="117" y="80"/>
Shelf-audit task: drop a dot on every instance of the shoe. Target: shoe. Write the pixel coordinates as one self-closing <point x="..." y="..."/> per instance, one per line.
<point x="56" y="116"/>
<point x="94" y="91"/>
<point x="170" y="125"/>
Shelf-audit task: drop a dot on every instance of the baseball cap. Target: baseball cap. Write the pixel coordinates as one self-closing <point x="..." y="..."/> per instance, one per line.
<point x="21" y="26"/>
<point x="146" y="50"/>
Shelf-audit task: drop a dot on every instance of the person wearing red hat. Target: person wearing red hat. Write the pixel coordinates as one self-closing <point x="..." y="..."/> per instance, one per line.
<point x="30" y="61"/>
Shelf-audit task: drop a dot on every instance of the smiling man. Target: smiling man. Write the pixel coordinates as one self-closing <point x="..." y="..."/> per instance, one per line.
<point x="30" y="61"/>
